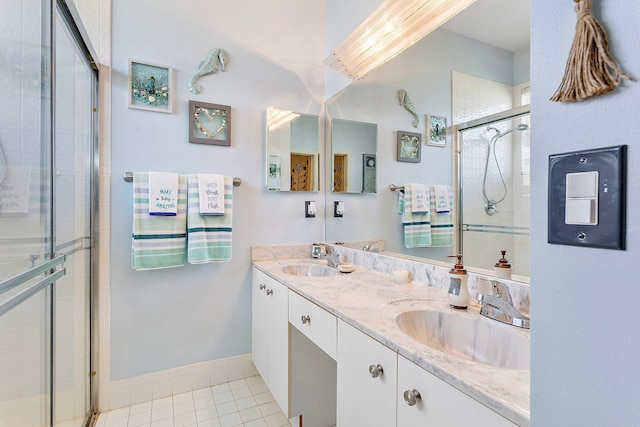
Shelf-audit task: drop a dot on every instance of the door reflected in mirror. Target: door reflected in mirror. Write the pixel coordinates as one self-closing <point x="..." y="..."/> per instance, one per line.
<point x="293" y="151"/>
<point x="354" y="150"/>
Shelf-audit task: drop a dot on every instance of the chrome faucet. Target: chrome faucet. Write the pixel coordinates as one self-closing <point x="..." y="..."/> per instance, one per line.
<point x="333" y="258"/>
<point x="499" y="306"/>
<point x="367" y="247"/>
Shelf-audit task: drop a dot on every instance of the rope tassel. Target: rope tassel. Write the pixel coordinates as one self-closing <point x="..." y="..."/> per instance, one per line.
<point x="590" y="69"/>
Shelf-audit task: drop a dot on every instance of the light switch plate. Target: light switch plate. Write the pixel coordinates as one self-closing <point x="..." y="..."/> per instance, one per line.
<point x="338" y="209"/>
<point x="310" y="209"/>
<point x="597" y="220"/>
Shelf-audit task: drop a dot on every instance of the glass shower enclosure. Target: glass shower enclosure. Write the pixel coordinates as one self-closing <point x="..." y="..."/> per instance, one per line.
<point x="494" y="183"/>
<point x="47" y="193"/>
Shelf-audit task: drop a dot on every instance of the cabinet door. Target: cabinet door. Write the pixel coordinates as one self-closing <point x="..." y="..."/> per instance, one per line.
<point x="270" y="335"/>
<point x="259" y="327"/>
<point x="278" y="338"/>
<point x="364" y="400"/>
<point x="439" y="404"/>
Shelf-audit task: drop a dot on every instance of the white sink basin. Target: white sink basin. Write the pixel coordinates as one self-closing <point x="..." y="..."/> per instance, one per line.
<point x="310" y="270"/>
<point x="467" y="335"/>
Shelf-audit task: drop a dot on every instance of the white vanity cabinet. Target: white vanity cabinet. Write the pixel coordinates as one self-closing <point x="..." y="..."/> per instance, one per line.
<point x="270" y="335"/>
<point x="425" y="400"/>
<point x="321" y="368"/>
<point x="367" y="374"/>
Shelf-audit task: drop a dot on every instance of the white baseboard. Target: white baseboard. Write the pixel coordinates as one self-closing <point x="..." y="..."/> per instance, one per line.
<point x="144" y="388"/>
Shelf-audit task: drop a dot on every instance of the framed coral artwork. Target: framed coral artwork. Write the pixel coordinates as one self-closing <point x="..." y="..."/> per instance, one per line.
<point x="436" y="131"/>
<point x="150" y="86"/>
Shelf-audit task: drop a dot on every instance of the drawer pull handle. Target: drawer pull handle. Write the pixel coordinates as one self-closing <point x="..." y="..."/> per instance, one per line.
<point x="375" y="370"/>
<point x="269" y="291"/>
<point x="305" y="319"/>
<point x="262" y="286"/>
<point x="411" y="397"/>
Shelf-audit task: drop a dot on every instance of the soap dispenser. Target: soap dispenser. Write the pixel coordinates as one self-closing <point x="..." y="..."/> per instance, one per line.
<point x="502" y="268"/>
<point x="458" y="290"/>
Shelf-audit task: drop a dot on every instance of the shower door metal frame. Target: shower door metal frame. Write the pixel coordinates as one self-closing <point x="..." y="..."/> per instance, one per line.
<point x="457" y="158"/>
<point x="71" y="17"/>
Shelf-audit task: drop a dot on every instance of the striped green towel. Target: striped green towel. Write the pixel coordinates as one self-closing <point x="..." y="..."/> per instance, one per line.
<point x="209" y="236"/>
<point x="415" y="226"/>
<point x="441" y="223"/>
<point x="157" y="241"/>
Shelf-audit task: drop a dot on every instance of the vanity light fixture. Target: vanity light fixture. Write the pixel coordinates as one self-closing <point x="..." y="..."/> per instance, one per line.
<point x="392" y="28"/>
<point x="277" y="118"/>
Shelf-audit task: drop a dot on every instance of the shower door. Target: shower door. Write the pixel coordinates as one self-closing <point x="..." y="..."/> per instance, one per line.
<point x="495" y="190"/>
<point x="46" y="179"/>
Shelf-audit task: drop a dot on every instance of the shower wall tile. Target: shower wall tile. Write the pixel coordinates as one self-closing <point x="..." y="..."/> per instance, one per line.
<point x="474" y="97"/>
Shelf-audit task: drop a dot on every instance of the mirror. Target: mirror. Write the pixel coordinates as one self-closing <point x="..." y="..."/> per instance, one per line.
<point x="454" y="73"/>
<point x="293" y="153"/>
<point x="353" y="153"/>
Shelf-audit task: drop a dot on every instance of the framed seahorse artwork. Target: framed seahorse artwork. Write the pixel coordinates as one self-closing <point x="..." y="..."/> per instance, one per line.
<point x="150" y="86"/>
<point x="209" y="123"/>
<point x="436" y="131"/>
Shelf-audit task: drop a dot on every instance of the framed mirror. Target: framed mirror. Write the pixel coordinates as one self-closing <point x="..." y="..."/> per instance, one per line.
<point x="354" y="147"/>
<point x="293" y="151"/>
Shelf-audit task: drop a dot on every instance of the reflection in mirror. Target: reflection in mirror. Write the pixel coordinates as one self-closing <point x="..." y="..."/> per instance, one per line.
<point x="495" y="182"/>
<point x="293" y="158"/>
<point x="462" y="71"/>
<point x="353" y="150"/>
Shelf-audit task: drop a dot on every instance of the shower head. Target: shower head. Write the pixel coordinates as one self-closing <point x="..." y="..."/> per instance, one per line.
<point x="520" y="127"/>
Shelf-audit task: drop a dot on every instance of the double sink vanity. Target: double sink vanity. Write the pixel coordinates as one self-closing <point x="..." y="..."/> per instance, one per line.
<point x="356" y="349"/>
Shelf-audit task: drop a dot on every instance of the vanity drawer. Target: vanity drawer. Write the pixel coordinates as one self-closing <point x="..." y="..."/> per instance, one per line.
<point x="314" y="322"/>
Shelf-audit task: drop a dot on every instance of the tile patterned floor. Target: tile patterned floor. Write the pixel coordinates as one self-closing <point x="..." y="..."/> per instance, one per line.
<point x="245" y="402"/>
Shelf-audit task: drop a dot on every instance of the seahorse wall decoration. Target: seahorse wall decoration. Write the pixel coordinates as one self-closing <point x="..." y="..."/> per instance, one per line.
<point x="216" y="58"/>
<point x="405" y="101"/>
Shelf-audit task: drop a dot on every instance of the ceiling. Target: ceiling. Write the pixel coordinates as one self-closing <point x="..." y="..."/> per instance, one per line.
<point x="501" y="23"/>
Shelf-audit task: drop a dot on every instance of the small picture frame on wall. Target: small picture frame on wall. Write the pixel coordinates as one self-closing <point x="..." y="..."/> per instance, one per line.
<point x="436" y="131"/>
<point x="408" y="144"/>
<point x="150" y="86"/>
<point x="209" y="123"/>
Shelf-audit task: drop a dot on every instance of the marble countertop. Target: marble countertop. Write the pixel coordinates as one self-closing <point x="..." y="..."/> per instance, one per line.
<point x="368" y="300"/>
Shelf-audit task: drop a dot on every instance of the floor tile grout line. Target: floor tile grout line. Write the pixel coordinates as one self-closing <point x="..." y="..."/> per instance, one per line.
<point x="259" y="412"/>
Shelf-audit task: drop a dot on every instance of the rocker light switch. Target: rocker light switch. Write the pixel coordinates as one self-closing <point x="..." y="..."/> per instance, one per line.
<point x="582" y="198"/>
<point x="582" y="184"/>
<point x="581" y="211"/>
<point x="338" y="209"/>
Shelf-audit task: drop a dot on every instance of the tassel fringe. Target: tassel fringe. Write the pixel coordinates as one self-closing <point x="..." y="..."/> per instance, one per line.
<point x="590" y="69"/>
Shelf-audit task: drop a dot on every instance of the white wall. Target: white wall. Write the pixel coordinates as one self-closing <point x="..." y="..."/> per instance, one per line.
<point x="585" y="343"/>
<point x="168" y="318"/>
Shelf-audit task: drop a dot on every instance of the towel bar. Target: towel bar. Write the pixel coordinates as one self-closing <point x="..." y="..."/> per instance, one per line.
<point x="128" y="177"/>
<point x="394" y="187"/>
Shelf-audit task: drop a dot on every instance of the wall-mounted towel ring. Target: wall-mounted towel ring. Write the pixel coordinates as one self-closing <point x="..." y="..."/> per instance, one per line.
<point x="128" y="177"/>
